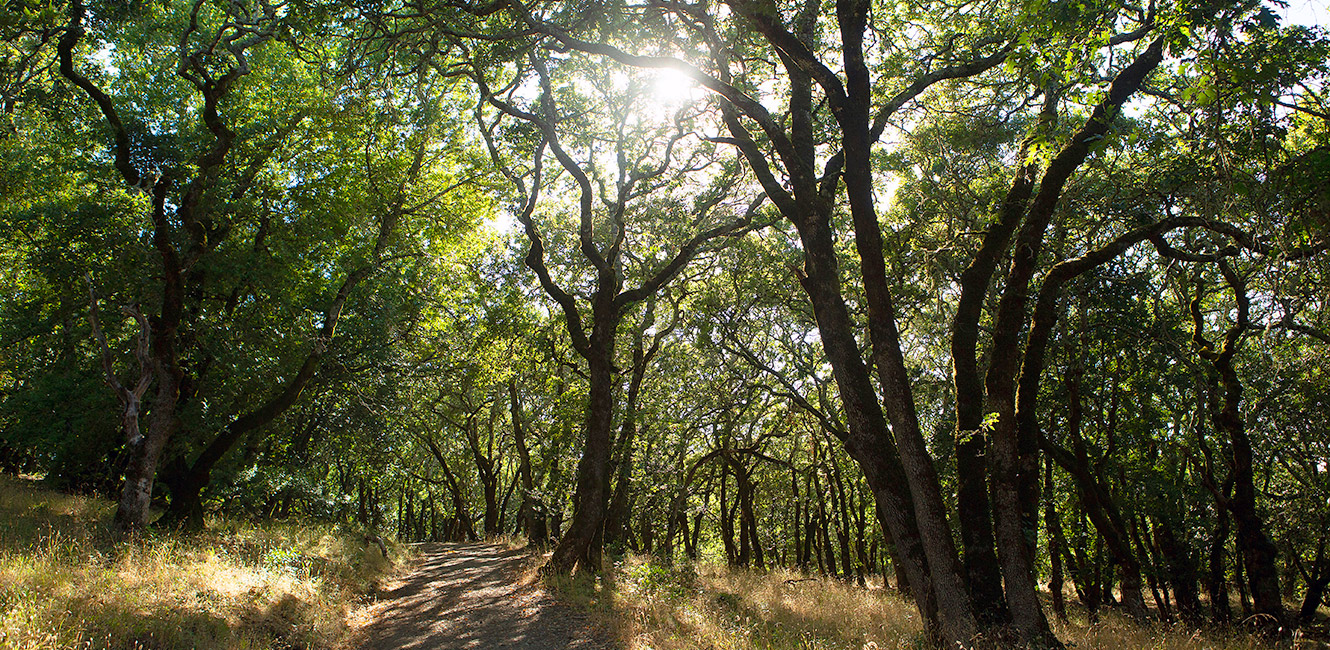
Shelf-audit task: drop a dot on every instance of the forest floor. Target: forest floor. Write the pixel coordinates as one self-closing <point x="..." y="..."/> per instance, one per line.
<point x="708" y="606"/>
<point x="476" y="595"/>
<point x="488" y="595"/>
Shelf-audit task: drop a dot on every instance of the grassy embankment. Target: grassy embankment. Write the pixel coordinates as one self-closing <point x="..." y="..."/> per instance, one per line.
<point x="67" y="582"/>
<point x="710" y="607"/>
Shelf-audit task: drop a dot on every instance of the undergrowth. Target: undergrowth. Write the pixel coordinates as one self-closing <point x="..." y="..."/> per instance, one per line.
<point x="66" y="581"/>
<point x="704" y="606"/>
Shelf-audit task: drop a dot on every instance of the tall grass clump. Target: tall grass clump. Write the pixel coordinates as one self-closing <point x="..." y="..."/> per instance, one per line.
<point x="66" y="581"/>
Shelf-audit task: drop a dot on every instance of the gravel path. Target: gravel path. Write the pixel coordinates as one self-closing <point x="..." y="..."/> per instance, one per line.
<point x="470" y="596"/>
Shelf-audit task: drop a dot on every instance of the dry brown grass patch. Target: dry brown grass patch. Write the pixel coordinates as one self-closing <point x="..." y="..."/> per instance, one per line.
<point x="712" y="607"/>
<point x="66" y="582"/>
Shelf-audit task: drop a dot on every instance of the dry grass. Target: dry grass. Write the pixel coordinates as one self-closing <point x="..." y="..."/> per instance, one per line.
<point x="705" y="607"/>
<point x="66" y="582"/>
<point x="1116" y="632"/>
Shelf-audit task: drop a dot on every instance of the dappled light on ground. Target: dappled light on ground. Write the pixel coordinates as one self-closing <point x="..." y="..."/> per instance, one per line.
<point x="471" y="596"/>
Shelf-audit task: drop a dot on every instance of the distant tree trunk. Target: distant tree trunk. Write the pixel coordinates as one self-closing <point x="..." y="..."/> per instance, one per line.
<point x="1257" y="552"/>
<point x="797" y="513"/>
<point x="1097" y="502"/>
<point x="750" y="548"/>
<point x="824" y="525"/>
<point x="841" y="507"/>
<point x="1086" y="569"/>
<point x="866" y="561"/>
<point x="482" y="455"/>
<point x="1181" y="573"/>
<point x="806" y="555"/>
<point x="1145" y="551"/>
<point x="1053" y="522"/>
<point x="553" y="494"/>
<point x="750" y="515"/>
<point x="461" y="513"/>
<point x="902" y="581"/>
<point x="676" y="517"/>
<point x="617" y="518"/>
<point x="1317" y="578"/>
<point x="406" y="522"/>
<point x="1240" y="580"/>
<point x="1217" y="581"/>
<point x="581" y="544"/>
<point x="503" y="505"/>
<point x="528" y="516"/>
<point x="646" y="532"/>
<point x="693" y="539"/>
<point x="726" y="517"/>
<point x="362" y="507"/>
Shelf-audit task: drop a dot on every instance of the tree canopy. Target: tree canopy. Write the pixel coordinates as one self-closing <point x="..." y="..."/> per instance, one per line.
<point x="983" y="297"/>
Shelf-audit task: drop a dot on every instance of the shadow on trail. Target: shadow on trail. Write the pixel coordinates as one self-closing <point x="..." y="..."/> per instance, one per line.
<point x="468" y="596"/>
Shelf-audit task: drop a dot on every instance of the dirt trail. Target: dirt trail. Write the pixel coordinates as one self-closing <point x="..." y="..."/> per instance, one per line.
<point x="470" y="596"/>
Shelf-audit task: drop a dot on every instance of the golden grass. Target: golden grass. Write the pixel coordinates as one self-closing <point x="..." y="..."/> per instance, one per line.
<point x="711" y="607"/>
<point x="1116" y="632"/>
<point x="705" y="606"/>
<point x="67" y="582"/>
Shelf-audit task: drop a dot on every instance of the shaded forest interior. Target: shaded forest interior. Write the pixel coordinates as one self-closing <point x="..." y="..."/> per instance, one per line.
<point x="996" y="301"/>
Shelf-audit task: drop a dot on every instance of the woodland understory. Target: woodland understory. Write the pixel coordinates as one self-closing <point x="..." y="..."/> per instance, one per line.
<point x="994" y="300"/>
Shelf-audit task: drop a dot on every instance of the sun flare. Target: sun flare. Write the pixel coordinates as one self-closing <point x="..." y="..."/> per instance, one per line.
<point x="671" y="89"/>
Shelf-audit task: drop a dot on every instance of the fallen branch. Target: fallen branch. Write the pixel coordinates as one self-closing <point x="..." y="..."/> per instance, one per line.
<point x="377" y="541"/>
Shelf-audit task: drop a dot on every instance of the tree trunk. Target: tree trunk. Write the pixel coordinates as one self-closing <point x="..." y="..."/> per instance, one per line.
<point x="751" y="545"/>
<point x="1098" y="502"/>
<point x="187" y="481"/>
<point x="463" y="528"/>
<point x="1181" y="573"/>
<point x="725" y="515"/>
<point x="1145" y="551"/>
<point x="982" y="570"/>
<point x="485" y="469"/>
<point x="1053" y="522"/>
<point x="616" y="520"/>
<point x="842" y="508"/>
<point x="826" y="553"/>
<point x="577" y="546"/>
<point x="1318" y="578"/>
<point x="1254" y="546"/>
<point x="869" y="441"/>
<point x="1313" y="599"/>
<point x="1217" y="581"/>
<point x="797" y="516"/>
<point x="1257" y="551"/>
<point x="134" y="508"/>
<point x="1240" y="580"/>
<point x="866" y="562"/>
<point x="528" y="516"/>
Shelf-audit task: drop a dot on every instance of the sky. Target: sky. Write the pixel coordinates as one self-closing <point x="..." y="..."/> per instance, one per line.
<point x="1309" y="12"/>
